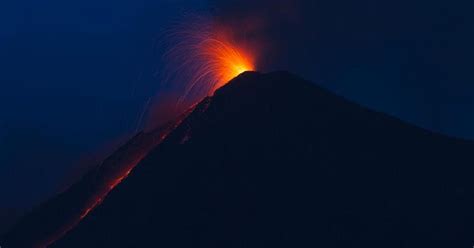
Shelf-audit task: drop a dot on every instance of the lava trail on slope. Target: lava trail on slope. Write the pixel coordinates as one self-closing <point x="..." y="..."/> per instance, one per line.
<point x="53" y="219"/>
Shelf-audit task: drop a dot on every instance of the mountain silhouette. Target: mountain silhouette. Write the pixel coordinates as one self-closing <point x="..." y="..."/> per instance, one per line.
<point x="272" y="160"/>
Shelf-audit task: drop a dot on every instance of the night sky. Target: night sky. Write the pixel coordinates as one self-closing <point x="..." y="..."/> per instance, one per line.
<point x="76" y="75"/>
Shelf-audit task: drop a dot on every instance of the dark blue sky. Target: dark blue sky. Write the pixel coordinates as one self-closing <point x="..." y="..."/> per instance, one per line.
<point x="76" y="75"/>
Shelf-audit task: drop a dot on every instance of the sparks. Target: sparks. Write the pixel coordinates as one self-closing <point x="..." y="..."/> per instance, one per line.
<point x="222" y="61"/>
<point x="201" y="58"/>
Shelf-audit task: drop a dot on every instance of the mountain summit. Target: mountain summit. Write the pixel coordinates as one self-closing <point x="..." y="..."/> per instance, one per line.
<point x="271" y="160"/>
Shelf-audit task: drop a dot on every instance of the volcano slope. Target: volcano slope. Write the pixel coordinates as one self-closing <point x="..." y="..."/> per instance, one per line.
<point x="272" y="160"/>
<point x="52" y="219"/>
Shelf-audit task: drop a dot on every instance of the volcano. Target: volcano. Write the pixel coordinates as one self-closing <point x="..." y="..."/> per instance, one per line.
<point x="272" y="160"/>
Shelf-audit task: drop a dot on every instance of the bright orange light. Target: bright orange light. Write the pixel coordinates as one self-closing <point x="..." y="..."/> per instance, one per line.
<point x="201" y="57"/>
<point x="223" y="61"/>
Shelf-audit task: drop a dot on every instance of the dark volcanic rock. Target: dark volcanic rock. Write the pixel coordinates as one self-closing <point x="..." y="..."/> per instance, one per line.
<point x="274" y="161"/>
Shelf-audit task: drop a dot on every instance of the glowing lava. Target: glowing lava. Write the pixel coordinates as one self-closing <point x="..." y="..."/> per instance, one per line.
<point x="222" y="61"/>
<point x="202" y="58"/>
<point x="112" y="172"/>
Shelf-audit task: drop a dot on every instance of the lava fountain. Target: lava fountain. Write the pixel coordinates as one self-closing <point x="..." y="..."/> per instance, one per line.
<point x="201" y="58"/>
<point x="223" y="62"/>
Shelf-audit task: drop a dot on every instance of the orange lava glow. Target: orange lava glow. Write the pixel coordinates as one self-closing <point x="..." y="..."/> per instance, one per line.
<point x="222" y="61"/>
<point x="202" y="58"/>
<point x="96" y="198"/>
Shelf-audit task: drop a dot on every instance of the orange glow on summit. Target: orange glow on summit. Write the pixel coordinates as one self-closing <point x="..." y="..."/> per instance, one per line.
<point x="223" y="61"/>
<point x="201" y="57"/>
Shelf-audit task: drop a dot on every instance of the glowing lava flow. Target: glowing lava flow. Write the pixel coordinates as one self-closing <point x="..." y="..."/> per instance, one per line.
<point x="93" y="201"/>
<point x="112" y="173"/>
